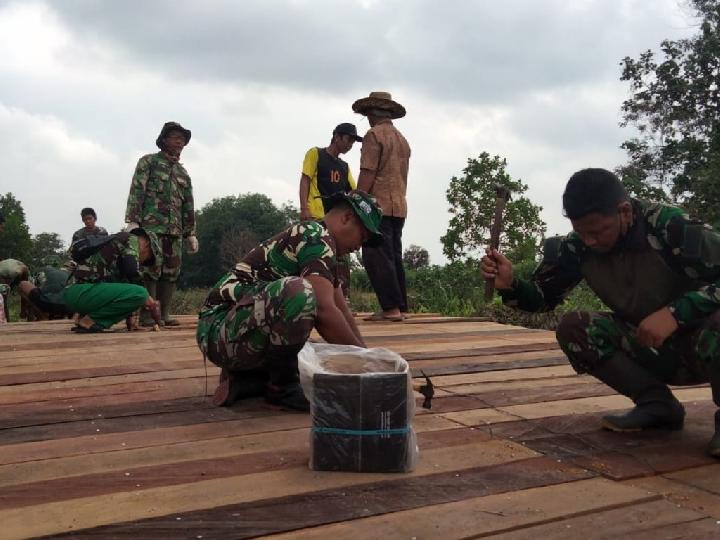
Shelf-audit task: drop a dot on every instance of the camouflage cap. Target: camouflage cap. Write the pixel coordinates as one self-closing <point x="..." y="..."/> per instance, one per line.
<point x="169" y="126"/>
<point x="367" y="209"/>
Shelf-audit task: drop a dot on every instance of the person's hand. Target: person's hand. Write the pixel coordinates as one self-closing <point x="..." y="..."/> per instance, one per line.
<point x="129" y="227"/>
<point x="192" y="244"/>
<point x="495" y="265"/>
<point x="654" y="329"/>
<point x="305" y="214"/>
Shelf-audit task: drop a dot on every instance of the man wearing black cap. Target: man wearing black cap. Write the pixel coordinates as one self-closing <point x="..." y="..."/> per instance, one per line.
<point x="323" y="175"/>
<point x="161" y="201"/>
<point x="260" y="314"/>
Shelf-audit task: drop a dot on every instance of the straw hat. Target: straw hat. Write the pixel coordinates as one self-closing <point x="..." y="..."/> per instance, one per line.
<point x="379" y="100"/>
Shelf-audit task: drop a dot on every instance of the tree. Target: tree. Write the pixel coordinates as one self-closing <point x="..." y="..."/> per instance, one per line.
<point x="227" y="228"/>
<point x="46" y="249"/>
<point x="416" y="257"/>
<point x="472" y="206"/>
<point x="15" y="240"/>
<point x="675" y="107"/>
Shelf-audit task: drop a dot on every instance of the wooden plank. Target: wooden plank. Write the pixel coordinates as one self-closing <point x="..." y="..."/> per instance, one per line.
<point x="706" y="478"/>
<point x="88" y="512"/>
<point x="322" y="507"/>
<point x="594" y="404"/>
<point x="680" y="494"/>
<point x="485" y="515"/>
<point x="653" y="519"/>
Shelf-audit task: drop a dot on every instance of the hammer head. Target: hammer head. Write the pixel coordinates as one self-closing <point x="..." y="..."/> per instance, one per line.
<point x="428" y="391"/>
<point x="502" y="192"/>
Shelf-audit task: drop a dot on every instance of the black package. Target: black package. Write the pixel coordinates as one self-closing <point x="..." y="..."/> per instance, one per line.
<point x="360" y="422"/>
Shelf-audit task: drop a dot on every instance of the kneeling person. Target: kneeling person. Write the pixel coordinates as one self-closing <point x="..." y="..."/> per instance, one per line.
<point x="108" y="283"/>
<point x="658" y="271"/>
<point x="259" y="315"/>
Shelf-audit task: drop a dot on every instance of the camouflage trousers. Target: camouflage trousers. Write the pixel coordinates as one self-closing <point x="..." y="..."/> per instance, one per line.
<point x="280" y="313"/>
<point x="689" y="356"/>
<point x="172" y="258"/>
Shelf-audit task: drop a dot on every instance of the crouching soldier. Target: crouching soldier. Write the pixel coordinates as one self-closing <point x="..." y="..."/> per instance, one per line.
<point x="109" y="276"/>
<point x="259" y="315"/>
<point x="658" y="271"/>
<point x="12" y="272"/>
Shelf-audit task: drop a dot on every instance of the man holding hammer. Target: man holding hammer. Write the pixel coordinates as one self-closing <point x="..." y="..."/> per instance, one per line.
<point x="658" y="271"/>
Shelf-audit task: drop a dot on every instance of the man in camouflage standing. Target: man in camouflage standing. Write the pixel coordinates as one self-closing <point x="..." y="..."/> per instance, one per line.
<point x="658" y="271"/>
<point x="161" y="201"/>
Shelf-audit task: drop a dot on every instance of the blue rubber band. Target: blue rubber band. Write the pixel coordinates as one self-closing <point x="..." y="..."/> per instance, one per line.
<point x="362" y="432"/>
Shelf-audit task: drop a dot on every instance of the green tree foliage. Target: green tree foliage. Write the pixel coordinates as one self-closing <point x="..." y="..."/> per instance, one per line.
<point x="227" y="228"/>
<point x="472" y="207"/>
<point x="46" y="249"/>
<point x="416" y="257"/>
<point x="675" y="105"/>
<point x="15" y="242"/>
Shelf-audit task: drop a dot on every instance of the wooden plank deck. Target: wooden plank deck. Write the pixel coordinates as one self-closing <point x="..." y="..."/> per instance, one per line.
<point x="112" y="436"/>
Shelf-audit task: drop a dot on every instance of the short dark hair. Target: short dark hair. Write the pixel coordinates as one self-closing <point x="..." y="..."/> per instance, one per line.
<point x="88" y="212"/>
<point x="592" y="190"/>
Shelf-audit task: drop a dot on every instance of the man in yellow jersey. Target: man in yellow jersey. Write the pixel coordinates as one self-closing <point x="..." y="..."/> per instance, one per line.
<point x="323" y="175"/>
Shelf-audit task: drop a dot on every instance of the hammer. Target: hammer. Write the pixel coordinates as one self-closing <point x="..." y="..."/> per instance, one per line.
<point x="502" y="196"/>
<point x="427" y="390"/>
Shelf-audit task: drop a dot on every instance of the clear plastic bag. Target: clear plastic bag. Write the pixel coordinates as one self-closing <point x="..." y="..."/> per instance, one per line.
<point x="362" y="406"/>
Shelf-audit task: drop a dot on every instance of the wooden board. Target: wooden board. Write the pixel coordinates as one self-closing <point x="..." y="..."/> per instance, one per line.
<point x="113" y="435"/>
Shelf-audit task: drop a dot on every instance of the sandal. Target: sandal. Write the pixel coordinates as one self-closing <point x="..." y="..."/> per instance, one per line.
<point x="382" y="317"/>
<point x="94" y="329"/>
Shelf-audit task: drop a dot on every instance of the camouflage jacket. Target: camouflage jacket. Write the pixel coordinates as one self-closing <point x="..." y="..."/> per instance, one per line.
<point x="689" y="249"/>
<point x="303" y="249"/>
<point x="116" y="261"/>
<point x="84" y="233"/>
<point x="161" y="198"/>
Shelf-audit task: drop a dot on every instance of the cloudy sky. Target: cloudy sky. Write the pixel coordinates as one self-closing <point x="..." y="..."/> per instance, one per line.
<point x="85" y="86"/>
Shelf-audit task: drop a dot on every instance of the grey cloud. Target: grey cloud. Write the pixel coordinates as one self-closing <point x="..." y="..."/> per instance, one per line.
<point x="487" y="52"/>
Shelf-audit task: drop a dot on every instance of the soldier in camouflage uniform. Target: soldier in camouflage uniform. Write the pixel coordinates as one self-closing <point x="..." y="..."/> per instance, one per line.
<point x="108" y="283"/>
<point x="260" y="314"/>
<point x="658" y="271"/>
<point x="161" y="201"/>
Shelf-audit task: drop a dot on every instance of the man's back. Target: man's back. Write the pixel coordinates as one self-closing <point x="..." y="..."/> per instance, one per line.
<point x="386" y="152"/>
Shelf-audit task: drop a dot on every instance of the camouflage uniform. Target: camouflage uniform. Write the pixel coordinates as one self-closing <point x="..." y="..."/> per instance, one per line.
<point x="264" y="302"/>
<point x="161" y="201"/>
<point x="84" y="233"/>
<point x="665" y="260"/>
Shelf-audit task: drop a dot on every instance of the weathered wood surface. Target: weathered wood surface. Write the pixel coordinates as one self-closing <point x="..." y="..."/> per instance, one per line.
<point x="113" y="436"/>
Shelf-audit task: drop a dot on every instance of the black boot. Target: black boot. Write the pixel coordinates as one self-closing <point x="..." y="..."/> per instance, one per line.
<point x="145" y="317"/>
<point x="235" y="385"/>
<point x="166" y="290"/>
<point x="655" y="405"/>
<point x="713" y="448"/>
<point x="284" y="386"/>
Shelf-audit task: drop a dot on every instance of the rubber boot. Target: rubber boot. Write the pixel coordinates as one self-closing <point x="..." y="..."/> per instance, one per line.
<point x="284" y="386"/>
<point x="713" y="448"/>
<point x="236" y="385"/>
<point x="152" y="288"/>
<point x="166" y="289"/>
<point x="655" y="405"/>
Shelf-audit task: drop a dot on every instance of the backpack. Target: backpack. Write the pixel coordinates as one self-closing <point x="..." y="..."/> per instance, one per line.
<point x="85" y="247"/>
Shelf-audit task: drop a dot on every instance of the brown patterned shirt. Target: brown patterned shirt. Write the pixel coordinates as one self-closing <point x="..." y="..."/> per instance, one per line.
<point x="386" y="152"/>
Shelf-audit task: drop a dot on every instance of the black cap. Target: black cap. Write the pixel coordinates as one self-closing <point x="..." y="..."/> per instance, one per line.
<point x="347" y="129"/>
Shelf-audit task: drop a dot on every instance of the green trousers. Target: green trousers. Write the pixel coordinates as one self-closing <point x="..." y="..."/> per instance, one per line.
<point x="105" y="303"/>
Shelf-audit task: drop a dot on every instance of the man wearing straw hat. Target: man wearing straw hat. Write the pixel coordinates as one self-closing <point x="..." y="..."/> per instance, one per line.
<point x="384" y="159"/>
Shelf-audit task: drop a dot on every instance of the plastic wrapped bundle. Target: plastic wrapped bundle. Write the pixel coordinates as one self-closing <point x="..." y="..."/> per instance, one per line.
<point x="362" y="405"/>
